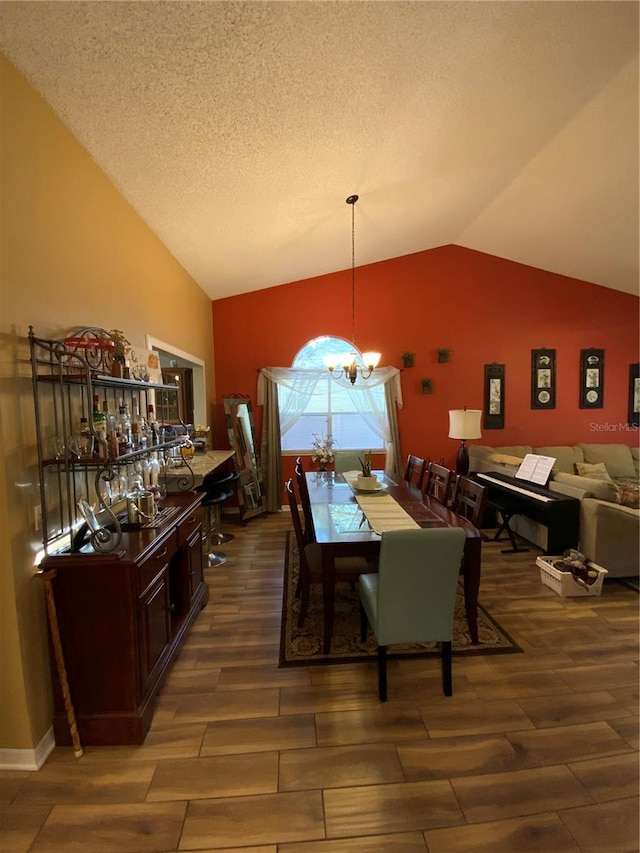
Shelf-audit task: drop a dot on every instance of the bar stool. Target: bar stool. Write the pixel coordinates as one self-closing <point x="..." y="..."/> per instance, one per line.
<point x="218" y="488"/>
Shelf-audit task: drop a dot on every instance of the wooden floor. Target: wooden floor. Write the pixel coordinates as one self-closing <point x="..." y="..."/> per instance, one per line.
<point x="534" y="752"/>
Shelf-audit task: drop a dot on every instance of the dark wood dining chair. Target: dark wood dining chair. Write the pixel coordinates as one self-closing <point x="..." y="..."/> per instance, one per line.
<point x="347" y="569"/>
<point x="452" y="490"/>
<point x="414" y="472"/>
<point x="309" y="534"/>
<point x="438" y="482"/>
<point x="470" y="500"/>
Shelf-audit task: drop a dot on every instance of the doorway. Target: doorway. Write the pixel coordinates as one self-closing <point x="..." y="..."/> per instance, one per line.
<point x="171" y="358"/>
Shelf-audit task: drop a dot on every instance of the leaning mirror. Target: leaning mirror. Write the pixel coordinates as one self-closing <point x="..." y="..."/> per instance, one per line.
<point x="238" y="416"/>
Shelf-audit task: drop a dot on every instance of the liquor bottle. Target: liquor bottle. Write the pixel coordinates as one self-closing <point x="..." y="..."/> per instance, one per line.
<point x="154" y="426"/>
<point x="138" y="427"/>
<point x="109" y="416"/>
<point x="123" y="428"/>
<point x="100" y="429"/>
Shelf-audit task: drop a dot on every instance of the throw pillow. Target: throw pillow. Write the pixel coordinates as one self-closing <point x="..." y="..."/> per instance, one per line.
<point x="629" y="496"/>
<point x="505" y="459"/>
<point x="595" y="470"/>
<point x="628" y="492"/>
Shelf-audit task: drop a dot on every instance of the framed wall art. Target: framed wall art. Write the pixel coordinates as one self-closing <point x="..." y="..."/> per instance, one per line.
<point x="543" y="379"/>
<point x="494" y="377"/>
<point x="634" y="394"/>
<point x="591" y="378"/>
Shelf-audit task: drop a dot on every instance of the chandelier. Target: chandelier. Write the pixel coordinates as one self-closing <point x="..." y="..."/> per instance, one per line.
<point x="347" y="364"/>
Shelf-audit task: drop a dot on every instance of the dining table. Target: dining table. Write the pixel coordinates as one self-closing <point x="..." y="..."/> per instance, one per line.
<point x="349" y="522"/>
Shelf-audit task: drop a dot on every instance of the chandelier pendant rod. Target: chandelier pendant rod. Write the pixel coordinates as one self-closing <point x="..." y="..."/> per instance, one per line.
<point x="352" y="201"/>
<point x="351" y="369"/>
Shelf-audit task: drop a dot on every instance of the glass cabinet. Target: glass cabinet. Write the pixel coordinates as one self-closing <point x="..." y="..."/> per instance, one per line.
<point x="100" y="437"/>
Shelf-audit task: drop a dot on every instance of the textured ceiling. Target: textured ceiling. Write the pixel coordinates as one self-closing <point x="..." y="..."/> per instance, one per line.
<point x="237" y="130"/>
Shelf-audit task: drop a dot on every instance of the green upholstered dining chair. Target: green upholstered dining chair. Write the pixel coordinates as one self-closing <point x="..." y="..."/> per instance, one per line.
<point x="347" y="569"/>
<point x="347" y="460"/>
<point x="411" y="599"/>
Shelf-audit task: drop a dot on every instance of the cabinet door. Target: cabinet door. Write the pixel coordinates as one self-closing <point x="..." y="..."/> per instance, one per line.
<point x="155" y="628"/>
<point x="193" y="558"/>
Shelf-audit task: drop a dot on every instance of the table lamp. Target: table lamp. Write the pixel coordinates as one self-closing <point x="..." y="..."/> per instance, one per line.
<point x="464" y="424"/>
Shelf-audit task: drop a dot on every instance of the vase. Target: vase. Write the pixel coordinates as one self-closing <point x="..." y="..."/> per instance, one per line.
<point x="322" y="467"/>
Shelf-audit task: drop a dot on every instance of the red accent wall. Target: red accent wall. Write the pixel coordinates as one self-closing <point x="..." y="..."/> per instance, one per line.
<point x="485" y="309"/>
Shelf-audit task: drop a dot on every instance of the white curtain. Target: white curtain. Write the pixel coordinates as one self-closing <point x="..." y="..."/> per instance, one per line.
<point x="302" y="382"/>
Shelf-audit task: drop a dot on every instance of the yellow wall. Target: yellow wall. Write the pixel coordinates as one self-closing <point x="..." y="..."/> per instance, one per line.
<point x="73" y="253"/>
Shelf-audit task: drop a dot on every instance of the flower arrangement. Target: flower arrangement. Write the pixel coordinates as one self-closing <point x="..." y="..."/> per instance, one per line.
<point x="322" y="449"/>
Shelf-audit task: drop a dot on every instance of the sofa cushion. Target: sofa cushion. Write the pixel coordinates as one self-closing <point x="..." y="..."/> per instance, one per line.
<point x="566" y="457"/>
<point x="635" y="455"/>
<point x="519" y="450"/>
<point x="594" y="470"/>
<point x="603" y="490"/>
<point x="616" y="457"/>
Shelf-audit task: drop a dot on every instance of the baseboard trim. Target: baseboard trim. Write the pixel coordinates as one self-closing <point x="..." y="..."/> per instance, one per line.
<point x="28" y="759"/>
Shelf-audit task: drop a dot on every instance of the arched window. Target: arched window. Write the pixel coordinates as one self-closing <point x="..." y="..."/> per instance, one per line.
<point x="333" y="408"/>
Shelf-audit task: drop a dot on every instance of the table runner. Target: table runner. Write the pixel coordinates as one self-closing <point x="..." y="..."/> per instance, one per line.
<point x="381" y="510"/>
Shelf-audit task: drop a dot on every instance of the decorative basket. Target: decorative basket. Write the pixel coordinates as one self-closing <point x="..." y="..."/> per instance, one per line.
<point x="563" y="582"/>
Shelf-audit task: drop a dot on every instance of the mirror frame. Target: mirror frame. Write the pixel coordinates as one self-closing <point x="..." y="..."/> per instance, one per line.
<point x="251" y="497"/>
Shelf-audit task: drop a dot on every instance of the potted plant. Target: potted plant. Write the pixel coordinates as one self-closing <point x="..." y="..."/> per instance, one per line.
<point x="366" y="480"/>
<point x="443" y="354"/>
<point x="427" y="386"/>
<point x="407" y="359"/>
<point x="118" y="354"/>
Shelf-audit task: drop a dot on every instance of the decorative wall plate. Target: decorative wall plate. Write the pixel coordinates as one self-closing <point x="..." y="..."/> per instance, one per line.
<point x="591" y="378"/>
<point x="543" y="379"/>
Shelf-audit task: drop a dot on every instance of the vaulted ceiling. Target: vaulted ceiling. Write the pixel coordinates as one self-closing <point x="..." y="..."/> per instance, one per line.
<point x="238" y="129"/>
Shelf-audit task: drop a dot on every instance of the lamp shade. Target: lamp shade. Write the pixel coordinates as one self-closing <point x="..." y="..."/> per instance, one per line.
<point x="464" y="423"/>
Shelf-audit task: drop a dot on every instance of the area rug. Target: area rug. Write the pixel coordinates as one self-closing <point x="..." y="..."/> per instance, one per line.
<point x="300" y="646"/>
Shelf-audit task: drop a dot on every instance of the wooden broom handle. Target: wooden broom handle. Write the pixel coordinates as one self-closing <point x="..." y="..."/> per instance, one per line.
<point x="47" y="577"/>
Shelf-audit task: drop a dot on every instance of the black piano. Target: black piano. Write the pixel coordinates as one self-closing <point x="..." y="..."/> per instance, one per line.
<point x="559" y="513"/>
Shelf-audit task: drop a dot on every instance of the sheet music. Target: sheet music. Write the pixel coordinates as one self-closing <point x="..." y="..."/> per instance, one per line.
<point x="535" y="469"/>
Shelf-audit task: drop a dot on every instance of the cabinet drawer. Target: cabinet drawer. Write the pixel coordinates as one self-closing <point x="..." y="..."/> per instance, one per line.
<point x="155" y="561"/>
<point x="189" y="524"/>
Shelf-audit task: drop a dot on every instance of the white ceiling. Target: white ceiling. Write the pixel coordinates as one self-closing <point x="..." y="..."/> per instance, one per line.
<point x="238" y="129"/>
